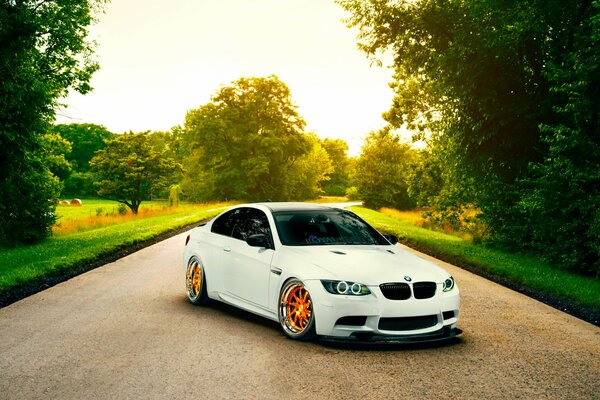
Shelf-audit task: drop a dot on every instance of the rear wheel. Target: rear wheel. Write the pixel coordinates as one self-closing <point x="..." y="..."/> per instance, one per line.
<point x="196" y="282"/>
<point x="296" y="315"/>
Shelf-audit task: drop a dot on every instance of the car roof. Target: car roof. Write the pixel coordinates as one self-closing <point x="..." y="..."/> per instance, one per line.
<point x="294" y="206"/>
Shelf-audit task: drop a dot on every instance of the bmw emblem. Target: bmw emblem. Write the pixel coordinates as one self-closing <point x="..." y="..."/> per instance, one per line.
<point x="407" y="278"/>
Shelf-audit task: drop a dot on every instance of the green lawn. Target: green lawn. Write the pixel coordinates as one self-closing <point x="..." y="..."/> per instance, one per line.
<point x="59" y="252"/>
<point x="526" y="270"/>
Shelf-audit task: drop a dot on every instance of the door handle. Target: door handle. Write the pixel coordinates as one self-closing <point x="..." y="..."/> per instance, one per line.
<point x="276" y="271"/>
<point x="227" y="249"/>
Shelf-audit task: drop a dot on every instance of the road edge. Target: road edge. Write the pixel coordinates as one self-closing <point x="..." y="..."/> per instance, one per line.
<point x="24" y="290"/>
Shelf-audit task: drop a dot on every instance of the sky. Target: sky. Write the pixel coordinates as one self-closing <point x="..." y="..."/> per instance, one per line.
<point x="161" y="58"/>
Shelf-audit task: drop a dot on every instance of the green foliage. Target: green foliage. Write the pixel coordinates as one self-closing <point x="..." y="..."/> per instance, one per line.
<point x="86" y="140"/>
<point x="339" y="179"/>
<point x="305" y="176"/>
<point x="444" y="198"/>
<point x="352" y="193"/>
<point x="170" y="143"/>
<point x="54" y="149"/>
<point x="382" y="171"/>
<point x="174" y="193"/>
<point x="43" y="53"/>
<point x="122" y="209"/>
<point x="80" y="184"/>
<point x="27" y="207"/>
<point x="506" y="94"/>
<point x="129" y="169"/>
<point x="243" y="142"/>
<point x="560" y="197"/>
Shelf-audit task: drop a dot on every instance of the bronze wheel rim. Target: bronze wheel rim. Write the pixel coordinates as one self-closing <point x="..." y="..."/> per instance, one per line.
<point x="296" y="309"/>
<point x="194" y="279"/>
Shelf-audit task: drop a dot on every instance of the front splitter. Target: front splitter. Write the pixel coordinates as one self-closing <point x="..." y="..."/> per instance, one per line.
<point x="441" y="335"/>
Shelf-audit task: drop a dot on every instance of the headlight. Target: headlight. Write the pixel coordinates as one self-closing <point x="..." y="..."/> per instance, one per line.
<point x="346" y="288"/>
<point x="448" y="284"/>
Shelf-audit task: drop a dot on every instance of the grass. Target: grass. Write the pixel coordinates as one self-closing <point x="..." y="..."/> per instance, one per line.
<point x="414" y="217"/>
<point x="100" y="213"/>
<point x="330" y="199"/>
<point x="522" y="269"/>
<point x="87" y="242"/>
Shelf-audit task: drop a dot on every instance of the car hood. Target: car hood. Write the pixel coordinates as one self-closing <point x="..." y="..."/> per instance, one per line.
<point x="370" y="265"/>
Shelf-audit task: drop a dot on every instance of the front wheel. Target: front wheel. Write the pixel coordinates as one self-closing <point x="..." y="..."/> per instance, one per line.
<point x="296" y="315"/>
<point x="196" y="282"/>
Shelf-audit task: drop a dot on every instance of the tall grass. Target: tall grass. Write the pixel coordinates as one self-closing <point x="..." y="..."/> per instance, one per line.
<point x="413" y="217"/>
<point x="97" y="215"/>
<point x="330" y="199"/>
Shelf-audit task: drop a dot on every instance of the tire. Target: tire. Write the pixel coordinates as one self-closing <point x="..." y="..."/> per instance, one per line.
<point x="195" y="280"/>
<point x="296" y="315"/>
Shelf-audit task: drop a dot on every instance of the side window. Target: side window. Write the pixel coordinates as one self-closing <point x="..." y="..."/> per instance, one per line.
<point x="250" y="222"/>
<point x="224" y="224"/>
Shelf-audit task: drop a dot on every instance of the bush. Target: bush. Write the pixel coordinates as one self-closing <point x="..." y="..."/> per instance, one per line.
<point x="27" y="210"/>
<point x="174" y="192"/>
<point x="122" y="209"/>
<point x="80" y="184"/>
<point x="382" y="171"/>
<point x="352" y="193"/>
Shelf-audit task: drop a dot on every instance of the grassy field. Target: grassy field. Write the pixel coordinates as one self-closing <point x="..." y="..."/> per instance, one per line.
<point x="83" y="236"/>
<point x="93" y="214"/>
<point x="526" y="270"/>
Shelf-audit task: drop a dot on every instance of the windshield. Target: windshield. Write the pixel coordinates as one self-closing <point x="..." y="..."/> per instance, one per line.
<point x="325" y="227"/>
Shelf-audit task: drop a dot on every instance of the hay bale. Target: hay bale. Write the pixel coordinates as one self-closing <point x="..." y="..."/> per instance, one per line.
<point x="76" y="202"/>
<point x="64" y="203"/>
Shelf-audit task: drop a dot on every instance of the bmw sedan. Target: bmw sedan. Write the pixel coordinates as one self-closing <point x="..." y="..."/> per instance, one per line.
<point x="319" y="271"/>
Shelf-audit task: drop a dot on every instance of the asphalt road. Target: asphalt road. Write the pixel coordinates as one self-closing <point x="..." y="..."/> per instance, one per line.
<point x="126" y="331"/>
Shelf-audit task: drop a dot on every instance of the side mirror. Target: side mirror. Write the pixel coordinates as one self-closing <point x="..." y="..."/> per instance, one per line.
<point x="258" y="240"/>
<point x="393" y="239"/>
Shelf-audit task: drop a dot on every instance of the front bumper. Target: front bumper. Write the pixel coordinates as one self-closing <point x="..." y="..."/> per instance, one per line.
<point x="376" y="318"/>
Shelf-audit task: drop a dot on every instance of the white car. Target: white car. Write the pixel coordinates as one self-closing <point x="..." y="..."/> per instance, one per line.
<point x="319" y="271"/>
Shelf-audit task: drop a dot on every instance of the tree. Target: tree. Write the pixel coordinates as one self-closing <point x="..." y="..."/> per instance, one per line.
<point x="560" y="197"/>
<point x="44" y="51"/>
<point x="244" y="141"/>
<point x="382" y="171"/>
<point x="129" y="169"/>
<point x="339" y="179"/>
<point x="310" y="171"/>
<point x="54" y="151"/>
<point x="443" y="196"/>
<point x="86" y="140"/>
<point x="508" y="92"/>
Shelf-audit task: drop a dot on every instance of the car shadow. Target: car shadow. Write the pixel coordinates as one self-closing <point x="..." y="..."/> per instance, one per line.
<point x="250" y="318"/>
